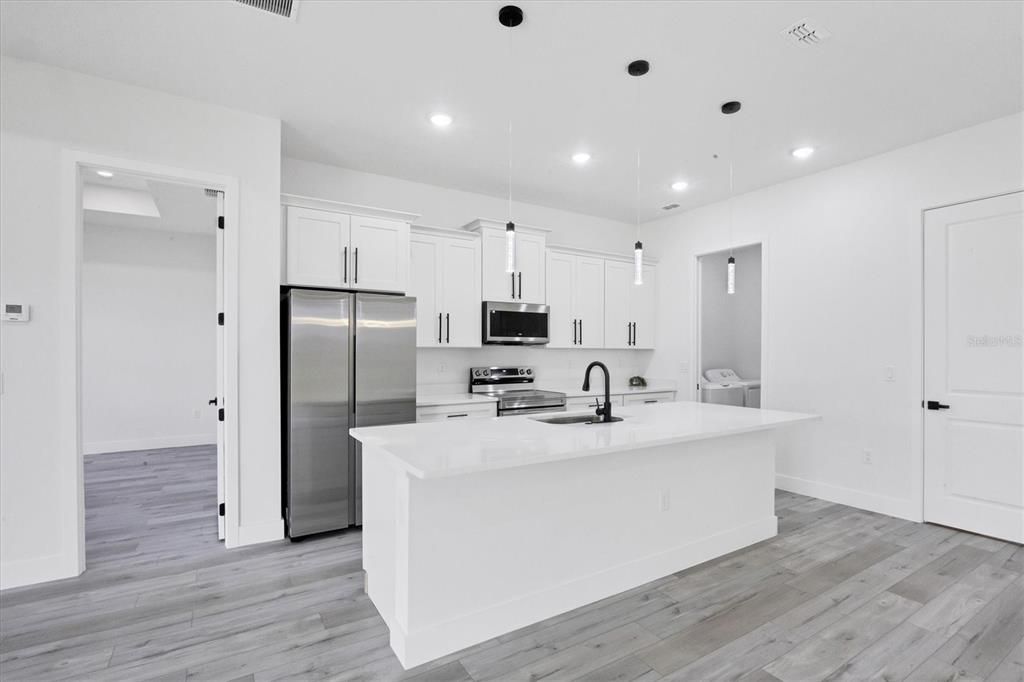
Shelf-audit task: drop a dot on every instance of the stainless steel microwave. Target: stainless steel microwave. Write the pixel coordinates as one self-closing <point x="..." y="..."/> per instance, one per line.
<point x="515" y="324"/>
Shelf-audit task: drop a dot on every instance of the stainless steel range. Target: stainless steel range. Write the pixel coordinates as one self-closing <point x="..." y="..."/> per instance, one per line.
<point x="513" y="387"/>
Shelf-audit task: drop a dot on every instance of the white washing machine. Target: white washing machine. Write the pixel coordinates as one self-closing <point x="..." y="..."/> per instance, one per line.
<point x="725" y="387"/>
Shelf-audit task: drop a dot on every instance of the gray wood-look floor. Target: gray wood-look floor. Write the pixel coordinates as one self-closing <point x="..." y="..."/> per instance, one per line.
<point x="840" y="594"/>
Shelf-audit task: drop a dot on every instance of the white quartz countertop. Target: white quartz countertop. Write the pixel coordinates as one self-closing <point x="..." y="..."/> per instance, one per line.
<point x="597" y="388"/>
<point x="453" y="448"/>
<point x="438" y="399"/>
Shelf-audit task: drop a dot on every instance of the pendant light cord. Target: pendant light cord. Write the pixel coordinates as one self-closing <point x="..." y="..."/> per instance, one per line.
<point x="510" y="90"/>
<point x="731" y="208"/>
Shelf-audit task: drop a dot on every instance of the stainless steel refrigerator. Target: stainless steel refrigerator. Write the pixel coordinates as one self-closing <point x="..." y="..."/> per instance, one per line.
<point x="349" y="359"/>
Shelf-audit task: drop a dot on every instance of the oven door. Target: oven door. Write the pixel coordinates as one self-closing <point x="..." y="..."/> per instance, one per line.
<point x="518" y="324"/>
<point x="516" y="411"/>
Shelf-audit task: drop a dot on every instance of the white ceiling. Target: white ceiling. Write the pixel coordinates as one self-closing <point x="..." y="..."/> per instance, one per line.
<point x="354" y="83"/>
<point x="120" y="203"/>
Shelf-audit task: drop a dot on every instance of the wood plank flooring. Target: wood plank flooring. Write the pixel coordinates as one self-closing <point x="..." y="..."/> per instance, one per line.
<point x="840" y="594"/>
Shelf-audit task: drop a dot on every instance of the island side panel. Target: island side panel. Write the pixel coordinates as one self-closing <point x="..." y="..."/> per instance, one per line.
<point x="495" y="551"/>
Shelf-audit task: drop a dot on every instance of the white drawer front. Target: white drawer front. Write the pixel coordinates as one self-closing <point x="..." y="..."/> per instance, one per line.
<point x="646" y="398"/>
<point x="439" y="413"/>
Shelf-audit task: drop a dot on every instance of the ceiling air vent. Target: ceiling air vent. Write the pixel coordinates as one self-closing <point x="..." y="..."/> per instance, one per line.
<point x="282" y="8"/>
<point x="669" y="207"/>
<point x="806" y="32"/>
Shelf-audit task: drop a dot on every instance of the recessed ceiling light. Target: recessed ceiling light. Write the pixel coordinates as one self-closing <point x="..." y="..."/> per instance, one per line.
<point x="105" y="174"/>
<point x="680" y="185"/>
<point x="580" y="158"/>
<point x="441" y="120"/>
<point x="802" y="152"/>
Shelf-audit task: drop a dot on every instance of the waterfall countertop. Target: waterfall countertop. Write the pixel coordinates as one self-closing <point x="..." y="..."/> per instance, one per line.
<point x="454" y="448"/>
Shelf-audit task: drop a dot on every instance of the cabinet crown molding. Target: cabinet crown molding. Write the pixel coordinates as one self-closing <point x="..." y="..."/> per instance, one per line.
<point x="448" y="232"/>
<point x="606" y="255"/>
<point x="342" y="207"/>
<point x="490" y="224"/>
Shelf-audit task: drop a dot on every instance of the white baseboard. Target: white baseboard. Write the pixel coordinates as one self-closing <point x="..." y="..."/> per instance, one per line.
<point x="892" y="506"/>
<point x="427" y="644"/>
<point x="254" y="534"/>
<point x="38" y="570"/>
<point x="107" y="446"/>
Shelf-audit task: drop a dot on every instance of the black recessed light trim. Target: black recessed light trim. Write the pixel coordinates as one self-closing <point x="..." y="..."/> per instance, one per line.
<point x="638" y="68"/>
<point x="731" y="107"/>
<point x="510" y="16"/>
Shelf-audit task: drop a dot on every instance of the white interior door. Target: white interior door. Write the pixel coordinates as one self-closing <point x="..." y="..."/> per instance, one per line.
<point x="974" y="366"/>
<point x="220" y="364"/>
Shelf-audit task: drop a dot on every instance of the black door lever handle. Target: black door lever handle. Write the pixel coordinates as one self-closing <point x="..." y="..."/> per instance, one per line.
<point x="936" y="405"/>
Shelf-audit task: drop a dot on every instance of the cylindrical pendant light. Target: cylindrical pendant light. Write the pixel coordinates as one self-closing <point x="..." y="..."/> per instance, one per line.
<point x="636" y="69"/>
<point x="729" y="108"/>
<point x="510" y="16"/>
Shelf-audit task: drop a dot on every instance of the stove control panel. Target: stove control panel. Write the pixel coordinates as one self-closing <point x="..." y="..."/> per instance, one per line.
<point x="491" y="376"/>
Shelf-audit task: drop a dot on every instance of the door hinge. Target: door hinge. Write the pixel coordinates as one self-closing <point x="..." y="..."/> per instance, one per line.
<point x="220" y="222"/>
<point x="220" y="319"/>
<point x="220" y="509"/>
<point x="220" y="414"/>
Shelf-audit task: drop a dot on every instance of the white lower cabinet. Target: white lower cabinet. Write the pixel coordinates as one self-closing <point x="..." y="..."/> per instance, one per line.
<point x="647" y="398"/>
<point x="440" y="413"/>
<point x="444" y="276"/>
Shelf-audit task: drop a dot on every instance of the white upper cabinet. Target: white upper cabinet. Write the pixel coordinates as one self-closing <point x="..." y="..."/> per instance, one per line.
<point x="380" y="254"/>
<point x="317" y="247"/>
<point x="527" y="283"/>
<point x="343" y="246"/>
<point x="445" y="279"/>
<point x="575" y="293"/>
<point x="628" y="307"/>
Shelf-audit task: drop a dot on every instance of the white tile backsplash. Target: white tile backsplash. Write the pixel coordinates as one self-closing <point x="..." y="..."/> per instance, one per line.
<point x="446" y="370"/>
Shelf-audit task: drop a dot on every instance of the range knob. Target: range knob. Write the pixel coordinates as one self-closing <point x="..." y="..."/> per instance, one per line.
<point x="529" y="371"/>
<point x="487" y="372"/>
<point x="476" y="372"/>
<point x="522" y="371"/>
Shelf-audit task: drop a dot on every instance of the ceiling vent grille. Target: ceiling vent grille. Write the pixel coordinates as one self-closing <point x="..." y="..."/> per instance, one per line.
<point x="282" y="8"/>
<point x="669" y="207"/>
<point x="805" y="32"/>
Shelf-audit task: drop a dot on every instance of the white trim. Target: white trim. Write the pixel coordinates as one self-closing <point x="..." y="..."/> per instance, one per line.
<point x="262" y="532"/>
<point x="104" y="447"/>
<point x="491" y="224"/>
<point x="892" y="506"/>
<point x="68" y="402"/>
<point x="606" y="255"/>
<point x="351" y="209"/>
<point x="37" y="570"/>
<point x="447" y="232"/>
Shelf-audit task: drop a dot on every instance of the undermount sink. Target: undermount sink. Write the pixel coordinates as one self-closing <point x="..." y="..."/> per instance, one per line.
<point x="575" y="419"/>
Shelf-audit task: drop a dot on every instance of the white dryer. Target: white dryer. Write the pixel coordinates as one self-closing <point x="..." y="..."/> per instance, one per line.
<point x="726" y="387"/>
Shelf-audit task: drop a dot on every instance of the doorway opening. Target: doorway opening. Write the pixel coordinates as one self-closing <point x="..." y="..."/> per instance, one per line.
<point x="152" y="367"/>
<point x="729" y="328"/>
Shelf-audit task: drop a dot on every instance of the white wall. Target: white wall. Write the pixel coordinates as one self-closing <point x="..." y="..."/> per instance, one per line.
<point x="442" y="207"/>
<point x="731" y="323"/>
<point x="842" y="255"/>
<point x="149" y="353"/>
<point x="44" y="110"/>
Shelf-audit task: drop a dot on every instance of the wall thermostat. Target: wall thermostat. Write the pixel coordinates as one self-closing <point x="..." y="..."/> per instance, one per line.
<point x="16" y="312"/>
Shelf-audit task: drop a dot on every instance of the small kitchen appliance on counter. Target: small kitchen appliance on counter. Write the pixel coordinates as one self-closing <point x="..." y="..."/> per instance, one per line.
<point x="513" y="388"/>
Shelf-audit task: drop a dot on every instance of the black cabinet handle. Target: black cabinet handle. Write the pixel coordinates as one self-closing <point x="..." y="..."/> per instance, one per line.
<point x="936" y="405"/>
<point x="634" y="333"/>
<point x="581" y="332"/>
<point x="356" y="265"/>
<point x="439" y="327"/>
<point x="650" y="401"/>
<point x="574" y="332"/>
<point x="629" y="333"/>
<point x="513" y="285"/>
<point x="520" y="286"/>
<point x="447" y="328"/>
<point x="464" y="414"/>
<point x="344" y="278"/>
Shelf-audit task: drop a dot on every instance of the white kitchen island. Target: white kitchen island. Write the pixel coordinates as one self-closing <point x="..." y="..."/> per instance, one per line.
<point x="474" y="528"/>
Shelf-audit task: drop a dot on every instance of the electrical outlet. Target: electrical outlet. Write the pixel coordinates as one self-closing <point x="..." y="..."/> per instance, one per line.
<point x="867" y="456"/>
<point x="889" y="373"/>
<point x="665" y="500"/>
<point x="684" y="367"/>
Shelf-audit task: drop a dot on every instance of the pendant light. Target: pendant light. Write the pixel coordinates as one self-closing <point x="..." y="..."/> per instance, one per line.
<point x="728" y="109"/>
<point x="638" y="68"/>
<point x="510" y="16"/>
